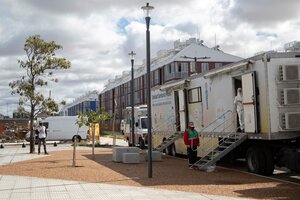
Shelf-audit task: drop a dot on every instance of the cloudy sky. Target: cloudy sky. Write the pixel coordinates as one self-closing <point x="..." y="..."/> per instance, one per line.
<point x="97" y="35"/>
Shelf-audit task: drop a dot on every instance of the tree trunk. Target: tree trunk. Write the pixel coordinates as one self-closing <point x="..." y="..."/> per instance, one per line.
<point x="32" y="132"/>
<point x="93" y="142"/>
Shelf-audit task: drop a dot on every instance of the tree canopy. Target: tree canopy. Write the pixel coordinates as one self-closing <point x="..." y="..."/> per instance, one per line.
<point x="39" y="64"/>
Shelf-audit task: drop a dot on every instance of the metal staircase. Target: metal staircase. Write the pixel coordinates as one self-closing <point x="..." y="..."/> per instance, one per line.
<point x="168" y="142"/>
<point x="228" y="139"/>
<point x="226" y="144"/>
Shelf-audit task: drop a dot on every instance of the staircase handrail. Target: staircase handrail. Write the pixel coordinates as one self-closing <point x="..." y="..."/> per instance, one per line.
<point x="213" y="131"/>
<point x="221" y="116"/>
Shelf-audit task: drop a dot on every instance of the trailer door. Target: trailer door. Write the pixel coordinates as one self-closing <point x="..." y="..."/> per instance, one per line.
<point x="182" y="109"/>
<point x="249" y="102"/>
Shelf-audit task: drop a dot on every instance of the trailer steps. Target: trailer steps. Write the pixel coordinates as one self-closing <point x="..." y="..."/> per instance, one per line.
<point x="168" y="142"/>
<point x="226" y="144"/>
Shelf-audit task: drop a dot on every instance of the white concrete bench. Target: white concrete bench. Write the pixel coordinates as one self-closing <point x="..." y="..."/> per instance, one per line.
<point x="131" y="158"/>
<point x="119" y="151"/>
<point x="156" y="156"/>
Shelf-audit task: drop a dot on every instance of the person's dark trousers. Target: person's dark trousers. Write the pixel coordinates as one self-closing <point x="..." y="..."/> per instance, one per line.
<point x="192" y="155"/>
<point x="42" y="140"/>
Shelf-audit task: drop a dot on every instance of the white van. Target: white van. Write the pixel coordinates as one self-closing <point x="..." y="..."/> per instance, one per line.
<point x="64" y="128"/>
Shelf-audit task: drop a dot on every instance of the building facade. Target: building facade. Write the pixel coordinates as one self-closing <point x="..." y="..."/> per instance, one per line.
<point x="186" y="59"/>
<point x="86" y="103"/>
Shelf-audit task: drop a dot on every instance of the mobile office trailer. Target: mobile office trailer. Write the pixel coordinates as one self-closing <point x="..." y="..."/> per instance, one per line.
<point x="140" y="125"/>
<point x="271" y="101"/>
<point x="64" y="128"/>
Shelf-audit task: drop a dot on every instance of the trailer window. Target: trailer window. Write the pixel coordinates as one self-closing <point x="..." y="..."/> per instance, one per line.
<point x="195" y="95"/>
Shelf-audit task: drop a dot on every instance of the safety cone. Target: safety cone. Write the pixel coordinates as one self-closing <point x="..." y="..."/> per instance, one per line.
<point x="55" y="144"/>
<point x="23" y="145"/>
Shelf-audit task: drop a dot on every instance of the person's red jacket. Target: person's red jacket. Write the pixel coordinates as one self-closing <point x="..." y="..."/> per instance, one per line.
<point x="193" y="139"/>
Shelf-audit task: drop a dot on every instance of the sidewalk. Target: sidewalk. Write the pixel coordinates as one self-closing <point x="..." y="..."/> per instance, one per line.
<point x="31" y="188"/>
<point x="23" y="188"/>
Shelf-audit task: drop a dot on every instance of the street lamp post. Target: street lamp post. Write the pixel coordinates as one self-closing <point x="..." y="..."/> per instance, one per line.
<point x="131" y="54"/>
<point x="147" y="9"/>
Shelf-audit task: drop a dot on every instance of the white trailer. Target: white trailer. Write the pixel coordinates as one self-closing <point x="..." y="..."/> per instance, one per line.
<point x="64" y="128"/>
<point x="271" y="101"/>
<point x="140" y="125"/>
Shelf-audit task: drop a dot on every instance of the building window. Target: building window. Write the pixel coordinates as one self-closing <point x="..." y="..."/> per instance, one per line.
<point x="179" y="67"/>
<point x="204" y="67"/>
<point x="195" y="95"/>
<point x="218" y="65"/>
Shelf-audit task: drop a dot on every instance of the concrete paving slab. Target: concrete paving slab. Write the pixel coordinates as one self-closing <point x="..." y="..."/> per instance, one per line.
<point x="32" y="188"/>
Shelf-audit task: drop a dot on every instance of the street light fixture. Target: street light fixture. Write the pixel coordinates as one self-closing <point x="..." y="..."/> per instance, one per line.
<point x="147" y="9"/>
<point x="195" y="60"/>
<point x="131" y="54"/>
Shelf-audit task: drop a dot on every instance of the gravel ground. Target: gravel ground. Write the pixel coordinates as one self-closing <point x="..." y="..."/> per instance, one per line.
<point x="171" y="173"/>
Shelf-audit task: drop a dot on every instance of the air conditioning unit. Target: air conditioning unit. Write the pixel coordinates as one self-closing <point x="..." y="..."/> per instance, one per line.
<point x="291" y="72"/>
<point x="193" y="67"/>
<point x="292" y="120"/>
<point x="291" y="96"/>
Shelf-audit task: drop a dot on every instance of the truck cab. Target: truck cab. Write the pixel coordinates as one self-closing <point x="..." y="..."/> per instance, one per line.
<point x="140" y="124"/>
<point x="141" y="131"/>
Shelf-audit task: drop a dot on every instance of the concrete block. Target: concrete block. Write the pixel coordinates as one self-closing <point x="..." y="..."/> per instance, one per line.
<point x="118" y="152"/>
<point x="156" y="156"/>
<point x="131" y="158"/>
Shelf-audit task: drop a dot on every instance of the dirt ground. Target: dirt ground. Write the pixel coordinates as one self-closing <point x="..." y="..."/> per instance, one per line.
<point x="171" y="173"/>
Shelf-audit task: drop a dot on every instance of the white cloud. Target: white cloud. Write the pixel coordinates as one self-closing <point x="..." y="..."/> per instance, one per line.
<point x="97" y="35"/>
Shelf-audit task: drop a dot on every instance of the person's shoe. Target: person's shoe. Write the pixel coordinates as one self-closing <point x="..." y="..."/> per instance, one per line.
<point x="46" y="153"/>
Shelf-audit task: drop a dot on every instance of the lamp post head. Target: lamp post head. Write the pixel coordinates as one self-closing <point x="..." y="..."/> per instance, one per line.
<point x="147" y="9"/>
<point x="131" y="55"/>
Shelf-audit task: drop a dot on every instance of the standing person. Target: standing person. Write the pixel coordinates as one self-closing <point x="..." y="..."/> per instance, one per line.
<point x="42" y="137"/>
<point x="191" y="140"/>
<point x="238" y="102"/>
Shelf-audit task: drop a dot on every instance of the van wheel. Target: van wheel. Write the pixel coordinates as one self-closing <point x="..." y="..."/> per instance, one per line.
<point x="78" y="138"/>
<point x="142" y="144"/>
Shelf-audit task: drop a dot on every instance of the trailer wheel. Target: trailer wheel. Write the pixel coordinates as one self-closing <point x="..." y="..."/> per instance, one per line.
<point x="165" y="150"/>
<point x="269" y="160"/>
<point x="170" y="150"/>
<point x="255" y="160"/>
<point x="142" y="143"/>
<point x="173" y="150"/>
<point x="129" y="144"/>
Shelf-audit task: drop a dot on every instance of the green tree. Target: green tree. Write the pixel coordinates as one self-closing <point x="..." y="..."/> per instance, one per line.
<point x="39" y="64"/>
<point x="90" y="119"/>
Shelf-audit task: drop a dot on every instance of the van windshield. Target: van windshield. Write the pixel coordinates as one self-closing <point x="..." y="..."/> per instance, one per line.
<point x="144" y="123"/>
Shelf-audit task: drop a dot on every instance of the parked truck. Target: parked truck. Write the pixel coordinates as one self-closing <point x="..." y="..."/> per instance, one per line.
<point x="271" y="101"/>
<point x="140" y="124"/>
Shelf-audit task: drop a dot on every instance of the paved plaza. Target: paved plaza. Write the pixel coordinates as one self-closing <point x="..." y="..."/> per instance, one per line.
<point x="31" y="188"/>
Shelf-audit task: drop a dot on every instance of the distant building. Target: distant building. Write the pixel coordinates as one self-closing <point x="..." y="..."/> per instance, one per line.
<point x="292" y="46"/>
<point x="22" y="115"/>
<point x="169" y="65"/>
<point x="3" y="116"/>
<point x="86" y="103"/>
